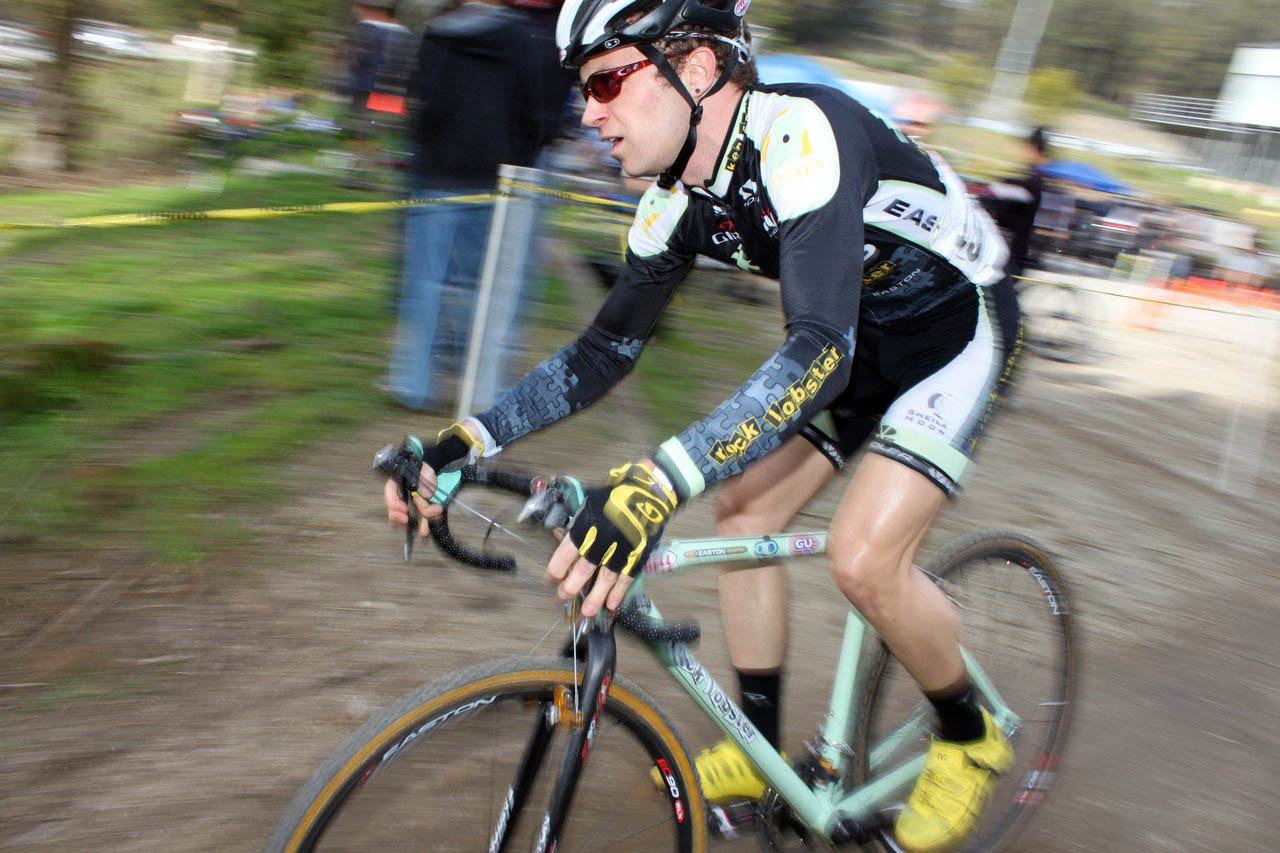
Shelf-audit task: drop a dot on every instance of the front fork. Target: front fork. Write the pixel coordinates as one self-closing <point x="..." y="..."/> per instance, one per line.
<point x="581" y="716"/>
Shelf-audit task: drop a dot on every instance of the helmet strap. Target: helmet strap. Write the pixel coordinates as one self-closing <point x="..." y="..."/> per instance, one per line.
<point x="672" y="173"/>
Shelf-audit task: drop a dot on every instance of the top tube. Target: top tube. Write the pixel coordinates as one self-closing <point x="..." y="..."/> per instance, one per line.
<point x="679" y="554"/>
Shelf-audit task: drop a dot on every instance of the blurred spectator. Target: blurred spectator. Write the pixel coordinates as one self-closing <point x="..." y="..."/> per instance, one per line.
<point x="488" y="89"/>
<point x="380" y="64"/>
<point x="1022" y="218"/>
<point x="1019" y="221"/>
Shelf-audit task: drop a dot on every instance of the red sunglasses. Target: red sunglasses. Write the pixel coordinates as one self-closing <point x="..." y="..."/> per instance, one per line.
<point x="606" y="85"/>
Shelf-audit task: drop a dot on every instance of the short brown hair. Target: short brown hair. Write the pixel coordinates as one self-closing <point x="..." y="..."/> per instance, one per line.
<point x="678" y="49"/>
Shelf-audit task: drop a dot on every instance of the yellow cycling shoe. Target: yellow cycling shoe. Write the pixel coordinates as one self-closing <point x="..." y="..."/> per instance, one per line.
<point x="725" y="774"/>
<point x="952" y="790"/>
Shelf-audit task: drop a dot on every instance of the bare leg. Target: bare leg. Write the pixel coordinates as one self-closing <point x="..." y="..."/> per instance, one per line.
<point x="763" y="499"/>
<point x="883" y="516"/>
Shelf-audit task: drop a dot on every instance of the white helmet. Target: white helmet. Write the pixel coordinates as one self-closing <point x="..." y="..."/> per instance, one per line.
<point x="590" y="27"/>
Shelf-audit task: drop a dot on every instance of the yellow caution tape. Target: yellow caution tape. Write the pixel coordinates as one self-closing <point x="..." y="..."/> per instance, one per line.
<point x="507" y="183"/>
<point x="116" y="220"/>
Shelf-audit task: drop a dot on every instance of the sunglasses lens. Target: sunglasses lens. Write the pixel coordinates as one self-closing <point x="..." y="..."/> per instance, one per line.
<point x="604" y="86"/>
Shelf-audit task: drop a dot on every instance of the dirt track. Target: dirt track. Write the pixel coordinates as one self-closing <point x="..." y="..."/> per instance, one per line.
<point x="211" y="695"/>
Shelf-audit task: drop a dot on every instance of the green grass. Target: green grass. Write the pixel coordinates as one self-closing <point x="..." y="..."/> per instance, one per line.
<point x="706" y="346"/>
<point x="81" y="689"/>
<point x="152" y="378"/>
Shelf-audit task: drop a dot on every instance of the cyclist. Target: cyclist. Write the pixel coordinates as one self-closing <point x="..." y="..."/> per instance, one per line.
<point x="884" y="267"/>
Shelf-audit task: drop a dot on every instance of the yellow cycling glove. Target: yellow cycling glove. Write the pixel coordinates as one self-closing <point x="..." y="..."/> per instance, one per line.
<point x="619" y="523"/>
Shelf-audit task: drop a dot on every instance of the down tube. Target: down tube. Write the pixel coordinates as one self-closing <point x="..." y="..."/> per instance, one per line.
<point x="698" y="683"/>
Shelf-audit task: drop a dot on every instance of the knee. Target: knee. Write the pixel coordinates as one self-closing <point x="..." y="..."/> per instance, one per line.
<point x="738" y="517"/>
<point x="868" y="573"/>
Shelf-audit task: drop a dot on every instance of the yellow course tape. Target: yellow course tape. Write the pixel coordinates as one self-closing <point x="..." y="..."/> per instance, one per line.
<point x="505" y="186"/>
<point x="118" y="220"/>
<point x="507" y="183"/>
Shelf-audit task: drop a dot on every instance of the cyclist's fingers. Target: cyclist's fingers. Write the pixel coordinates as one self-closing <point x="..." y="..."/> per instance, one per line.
<point x="425" y="507"/>
<point x="618" y="592"/>
<point x="577" y="579"/>
<point x="397" y="510"/>
<point x="426" y="480"/>
<point x="562" y="560"/>
<point x="595" y="600"/>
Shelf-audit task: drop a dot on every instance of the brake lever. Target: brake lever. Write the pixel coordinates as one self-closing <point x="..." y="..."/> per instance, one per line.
<point x="415" y="521"/>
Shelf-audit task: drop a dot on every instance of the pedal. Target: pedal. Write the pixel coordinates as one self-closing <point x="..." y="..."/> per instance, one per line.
<point x="852" y="831"/>
<point x="731" y="820"/>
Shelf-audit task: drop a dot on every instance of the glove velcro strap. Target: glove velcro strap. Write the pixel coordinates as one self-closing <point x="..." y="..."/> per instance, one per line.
<point x="454" y="444"/>
<point x="647" y="475"/>
<point x="474" y="444"/>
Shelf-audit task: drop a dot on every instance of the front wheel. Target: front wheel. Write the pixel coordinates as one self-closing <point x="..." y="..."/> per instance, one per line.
<point x="473" y="758"/>
<point x="1017" y="626"/>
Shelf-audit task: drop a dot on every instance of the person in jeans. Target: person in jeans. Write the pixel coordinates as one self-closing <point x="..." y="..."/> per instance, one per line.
<point x="488" y="90"/>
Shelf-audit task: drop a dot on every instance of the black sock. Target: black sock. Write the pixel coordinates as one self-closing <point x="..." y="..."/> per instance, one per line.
<point x="959" y="718"/>
<point x="761" y="694"/>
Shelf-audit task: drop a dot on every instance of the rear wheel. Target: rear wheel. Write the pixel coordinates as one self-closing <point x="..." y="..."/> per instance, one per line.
<point x="1017" y="626"/>
<point x="435" y="771"/>
<point x="1057" y="325"/>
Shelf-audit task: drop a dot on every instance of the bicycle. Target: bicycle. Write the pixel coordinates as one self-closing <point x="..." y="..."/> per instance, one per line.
<point x="413" y="773"/>
<point x="1057" y="321"/>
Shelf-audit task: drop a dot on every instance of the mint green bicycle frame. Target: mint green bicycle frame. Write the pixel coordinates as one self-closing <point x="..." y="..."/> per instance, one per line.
<point x="819" y="807"/>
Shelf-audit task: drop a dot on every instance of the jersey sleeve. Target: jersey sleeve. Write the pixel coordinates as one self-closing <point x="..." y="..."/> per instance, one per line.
<point x="817" y="181"/>
<point x="582" y="372"/>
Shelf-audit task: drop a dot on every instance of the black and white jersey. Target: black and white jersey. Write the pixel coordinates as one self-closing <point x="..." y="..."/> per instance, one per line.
<point x="857" y="223"/>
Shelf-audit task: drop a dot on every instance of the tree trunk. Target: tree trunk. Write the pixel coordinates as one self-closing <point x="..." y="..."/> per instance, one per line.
<point x="57" y="124"/>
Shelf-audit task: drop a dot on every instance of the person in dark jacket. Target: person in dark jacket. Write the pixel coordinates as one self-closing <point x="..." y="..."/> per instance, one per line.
<point x="1020" y="220"/>
<point x="381" y="59"/>
<point x="488" y="89"/>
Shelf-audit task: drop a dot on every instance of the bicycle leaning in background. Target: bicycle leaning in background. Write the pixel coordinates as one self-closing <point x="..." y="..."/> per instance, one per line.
<point x="562" y="753"/>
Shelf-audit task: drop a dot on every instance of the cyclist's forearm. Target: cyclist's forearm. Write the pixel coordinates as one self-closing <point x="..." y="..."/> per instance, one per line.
<point x="568" y="381"/>
<point x="796" y="383"/>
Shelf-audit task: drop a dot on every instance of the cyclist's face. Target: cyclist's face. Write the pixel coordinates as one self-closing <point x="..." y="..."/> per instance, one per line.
<point x="647" y="120"/>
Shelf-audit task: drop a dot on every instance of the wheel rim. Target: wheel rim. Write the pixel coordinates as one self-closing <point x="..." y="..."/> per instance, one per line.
<point x="440" y="782"/>
<point x="1017" y="625"/>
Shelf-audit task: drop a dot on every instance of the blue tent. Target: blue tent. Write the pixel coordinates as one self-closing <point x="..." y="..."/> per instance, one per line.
<point x="1086" y="176"/>
<point x="793" y="68"/>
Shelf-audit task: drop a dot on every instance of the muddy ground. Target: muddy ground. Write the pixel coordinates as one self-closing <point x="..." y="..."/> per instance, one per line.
<point x="154" y="709"/>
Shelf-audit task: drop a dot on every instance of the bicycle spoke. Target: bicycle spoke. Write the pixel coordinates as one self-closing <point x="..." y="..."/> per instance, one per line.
<point x="558" y="622"/>
<point x="612" y="812"/>
<point x="640" y="831"/>
<point x="410" y="831"/>
<point x="1001" y="587"/>
<point x="896" y="741"/>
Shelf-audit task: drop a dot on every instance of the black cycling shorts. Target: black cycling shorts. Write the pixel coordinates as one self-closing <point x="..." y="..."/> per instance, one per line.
<point x="923" y="390"/>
